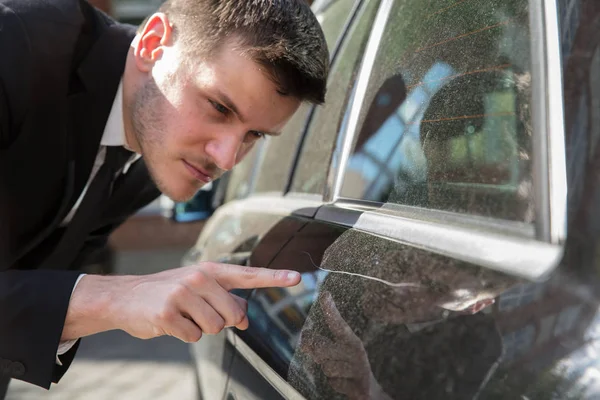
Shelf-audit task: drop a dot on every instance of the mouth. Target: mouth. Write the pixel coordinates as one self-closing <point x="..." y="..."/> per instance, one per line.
<point x="198" y="173"/>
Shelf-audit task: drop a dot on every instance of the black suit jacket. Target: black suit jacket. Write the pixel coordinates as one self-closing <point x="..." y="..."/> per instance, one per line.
<point x="60" y="65"/>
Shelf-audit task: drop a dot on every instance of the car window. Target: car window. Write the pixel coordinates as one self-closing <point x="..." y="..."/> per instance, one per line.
<point x="313" y="163"/>
<point x="333" y="15"/>
<point x="445" y="123"/>
<point x="239" y="184"/>
<point x="267" y="168"/>
<point x="279" y="154"/>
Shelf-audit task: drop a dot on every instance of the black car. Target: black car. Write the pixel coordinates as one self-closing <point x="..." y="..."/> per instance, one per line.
<point x="443" y="207"/>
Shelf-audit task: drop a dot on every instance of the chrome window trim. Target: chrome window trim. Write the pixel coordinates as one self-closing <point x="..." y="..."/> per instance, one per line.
<point x="475" y="222"/>
<point x="522" y="257"/>
<point x="276" y="381"/>
<point x="557" y="170"/>
<point x="349" y="126"/>
<point x="539" y="122"/>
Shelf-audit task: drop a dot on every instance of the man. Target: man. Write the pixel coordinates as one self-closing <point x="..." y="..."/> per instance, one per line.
<point x="81" y="99"/>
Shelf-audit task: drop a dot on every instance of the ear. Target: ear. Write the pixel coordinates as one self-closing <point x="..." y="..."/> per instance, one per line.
<point x="150" y="42"/>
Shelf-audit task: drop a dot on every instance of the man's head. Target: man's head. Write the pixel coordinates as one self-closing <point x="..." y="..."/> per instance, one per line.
<point x="206" y="79"/>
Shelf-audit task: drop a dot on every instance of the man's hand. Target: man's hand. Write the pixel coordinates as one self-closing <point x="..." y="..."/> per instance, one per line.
<point x="184" y="302"/>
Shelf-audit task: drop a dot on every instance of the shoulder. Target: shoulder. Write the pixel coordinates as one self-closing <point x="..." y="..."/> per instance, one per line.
<point x="63" y="11"/>
<point x="38" y="35"/>
<point x="41" y="37"/>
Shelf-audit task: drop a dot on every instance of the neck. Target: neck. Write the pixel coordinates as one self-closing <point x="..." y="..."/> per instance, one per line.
<point x="130" y="85"/>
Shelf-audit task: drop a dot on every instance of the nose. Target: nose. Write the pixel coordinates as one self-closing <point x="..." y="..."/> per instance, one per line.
<point x="223" y="150"/>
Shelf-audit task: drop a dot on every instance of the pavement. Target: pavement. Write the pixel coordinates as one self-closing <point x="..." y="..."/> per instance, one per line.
<point x="114" y="366"/>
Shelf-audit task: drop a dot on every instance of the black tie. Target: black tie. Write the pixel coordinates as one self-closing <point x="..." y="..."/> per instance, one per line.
<point x="90" y="209"/>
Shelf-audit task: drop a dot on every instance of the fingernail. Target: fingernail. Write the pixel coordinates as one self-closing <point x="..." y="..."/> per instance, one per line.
<point x="292" y="276"/>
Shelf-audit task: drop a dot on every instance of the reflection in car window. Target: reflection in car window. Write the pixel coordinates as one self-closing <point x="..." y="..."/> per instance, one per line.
<point x="313" y="164"/>
<point x="378" y="319"/>
<point x="395" y="322"/>
<point x="387" y="317"/>
<point x="446" y="120"/>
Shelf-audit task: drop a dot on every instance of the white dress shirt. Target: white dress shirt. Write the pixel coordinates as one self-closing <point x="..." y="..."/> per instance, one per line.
<point x="114" y="135"/>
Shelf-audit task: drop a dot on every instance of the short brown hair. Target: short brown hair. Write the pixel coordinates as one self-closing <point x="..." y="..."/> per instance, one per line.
<point x="283" y="36"/>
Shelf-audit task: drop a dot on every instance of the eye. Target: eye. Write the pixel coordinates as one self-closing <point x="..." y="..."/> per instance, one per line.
<point x="253" y="136"/>
<point x="219" y="107"/>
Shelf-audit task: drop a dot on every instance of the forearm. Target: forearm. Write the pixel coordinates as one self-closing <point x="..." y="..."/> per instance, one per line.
<point x="93" y="306"/>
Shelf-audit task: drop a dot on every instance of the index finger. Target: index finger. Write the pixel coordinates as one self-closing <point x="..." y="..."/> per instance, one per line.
<point x="239" y="277"/>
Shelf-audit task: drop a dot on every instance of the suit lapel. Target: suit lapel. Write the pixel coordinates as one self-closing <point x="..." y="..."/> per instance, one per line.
<point x="99" y="75"/>
<point x="97" y="68"/>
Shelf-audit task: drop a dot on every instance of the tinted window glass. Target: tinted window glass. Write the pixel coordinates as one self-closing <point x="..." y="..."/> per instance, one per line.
<point x="374" y="318"/>
<point x="279" y="154"/>
<point x="333" y="15"/>
<point x="394" y="322"/>
<point x="240" y="180"/>
<point x="445" y="124"/>
<point x="313" y="164"/>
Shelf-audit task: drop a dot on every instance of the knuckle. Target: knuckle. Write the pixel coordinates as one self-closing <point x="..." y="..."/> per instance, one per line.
<point x="164" y="316"/>
<point x="216" y="326"/>
<point x="177" y="292"/>
<point x="239" y="317"/>
<point x="250" y="272"/>
<point x="198" y="278"/>
<point x="276" y="275"/>
<point x="209" y="267"/>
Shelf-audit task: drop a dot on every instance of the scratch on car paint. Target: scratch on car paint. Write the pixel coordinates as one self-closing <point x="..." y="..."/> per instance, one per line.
<point x="392" y="284"/>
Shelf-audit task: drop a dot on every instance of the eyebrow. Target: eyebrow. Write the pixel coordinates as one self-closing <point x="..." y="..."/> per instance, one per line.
<point x="231" y="105"/>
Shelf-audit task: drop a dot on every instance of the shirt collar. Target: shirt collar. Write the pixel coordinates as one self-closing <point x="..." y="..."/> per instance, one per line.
<point x="114" y="130"/>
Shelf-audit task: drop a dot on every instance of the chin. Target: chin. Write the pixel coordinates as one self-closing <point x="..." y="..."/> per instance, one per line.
<point x="179" y="194"/>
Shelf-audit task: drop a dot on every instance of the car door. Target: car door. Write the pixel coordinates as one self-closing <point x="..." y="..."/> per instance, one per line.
<point x="430" y="270"/>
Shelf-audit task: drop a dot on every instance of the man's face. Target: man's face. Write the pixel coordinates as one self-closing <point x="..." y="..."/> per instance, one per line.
<point x="194" y="120"/>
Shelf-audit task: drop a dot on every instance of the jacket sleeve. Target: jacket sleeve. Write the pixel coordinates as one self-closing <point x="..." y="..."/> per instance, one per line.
<point x="33" y="303"/>
<point x="33" y="307"/>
